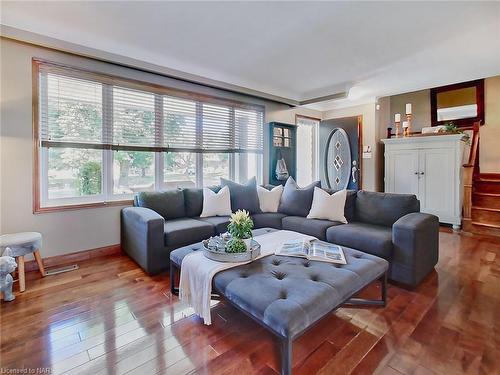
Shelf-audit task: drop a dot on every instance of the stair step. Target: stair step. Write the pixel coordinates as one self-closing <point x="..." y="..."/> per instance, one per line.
<point x="490" y="176"/>
<point x="482" y="179"/>
<point x="482" y="228"/>
<point x="489" y="200"/>
<point x="490" y="186"/>
<point x="486" y="215"/>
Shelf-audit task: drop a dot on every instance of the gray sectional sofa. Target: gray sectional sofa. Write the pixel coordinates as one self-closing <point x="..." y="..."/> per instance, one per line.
<point x="387" y="225"/>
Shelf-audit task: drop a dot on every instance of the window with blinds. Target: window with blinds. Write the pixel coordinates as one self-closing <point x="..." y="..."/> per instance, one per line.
<point x="104" y="138"/>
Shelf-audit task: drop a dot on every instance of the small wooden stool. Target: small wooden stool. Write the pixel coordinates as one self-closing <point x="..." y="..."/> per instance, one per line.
<point x="18" y="245"/>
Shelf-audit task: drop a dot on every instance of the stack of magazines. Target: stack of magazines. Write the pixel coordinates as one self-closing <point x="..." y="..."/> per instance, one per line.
<point x="312" y="250"/>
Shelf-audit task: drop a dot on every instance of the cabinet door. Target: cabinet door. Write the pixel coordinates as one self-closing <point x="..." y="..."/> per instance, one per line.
<point x="401" y="171"/>
<point x="436" y="181"/>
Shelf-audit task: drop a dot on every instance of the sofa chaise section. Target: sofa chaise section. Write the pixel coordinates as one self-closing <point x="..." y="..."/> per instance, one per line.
<point x="142" y="238"/>
<point x="369" y="238"/>
<point x="159" y="223"/>
<point x="391" y="226"/>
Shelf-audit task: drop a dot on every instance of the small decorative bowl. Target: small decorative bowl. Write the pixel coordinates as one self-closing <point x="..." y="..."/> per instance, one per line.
<point x="214" y="248"/>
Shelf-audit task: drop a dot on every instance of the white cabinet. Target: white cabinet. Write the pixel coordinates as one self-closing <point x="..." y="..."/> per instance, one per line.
<point x="429" y="167"/>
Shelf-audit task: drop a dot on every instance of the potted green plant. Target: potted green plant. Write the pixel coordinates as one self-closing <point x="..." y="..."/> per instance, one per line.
<point x="240" y="227"/>
<point x="236" y="245"/>
<point x="451" y="128"/>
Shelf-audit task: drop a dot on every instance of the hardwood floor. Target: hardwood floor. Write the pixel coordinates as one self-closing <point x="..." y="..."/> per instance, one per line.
<point x="110" y="318"/>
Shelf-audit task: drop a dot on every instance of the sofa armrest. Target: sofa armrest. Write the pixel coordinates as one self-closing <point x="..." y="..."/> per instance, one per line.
<point x="415" y="239"/>
<point x="142" y="236"/>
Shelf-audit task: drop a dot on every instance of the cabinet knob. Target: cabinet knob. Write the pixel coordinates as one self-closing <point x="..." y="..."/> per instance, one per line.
<point x="421" y="173"/>
<point x="416" y="172"/>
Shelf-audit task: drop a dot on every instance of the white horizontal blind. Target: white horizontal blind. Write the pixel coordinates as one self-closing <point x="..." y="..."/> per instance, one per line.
<point x="77" y="112"/>
<point x="248" y="127"/>
<point x="180" y="130"/>
<point x="217" y="128"/>
<point x="133" y="118"/>
<point x="70" y="109"/>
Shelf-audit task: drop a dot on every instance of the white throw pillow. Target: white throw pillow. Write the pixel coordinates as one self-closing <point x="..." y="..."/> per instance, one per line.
<point x="216" y="204"/>
<point x="329" y="207"/>
<point x="269" y="200"/>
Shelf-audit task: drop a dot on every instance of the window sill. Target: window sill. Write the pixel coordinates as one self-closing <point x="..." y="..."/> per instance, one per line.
<point x="81" y="206"/>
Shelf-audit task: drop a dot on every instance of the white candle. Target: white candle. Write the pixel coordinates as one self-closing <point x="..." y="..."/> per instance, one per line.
<point x="405" y="124"/>
<point x="408" y="108"/>
<point x="397" y="117"/>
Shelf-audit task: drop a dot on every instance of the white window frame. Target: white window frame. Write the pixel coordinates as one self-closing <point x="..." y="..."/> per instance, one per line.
<point x="315" y="147"/>
<point x="107" y="195"/>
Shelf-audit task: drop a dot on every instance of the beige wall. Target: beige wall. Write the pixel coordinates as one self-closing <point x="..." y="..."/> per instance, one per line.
<point x="421" y="108"/>
<point x="369" y="166"/>
<point x="69" y="231"/>
<point x="489" y="143"/>
<point x="287" y="115"/>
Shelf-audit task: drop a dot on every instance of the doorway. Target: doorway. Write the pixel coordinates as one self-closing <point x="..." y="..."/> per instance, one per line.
<point x="340" y="148"/>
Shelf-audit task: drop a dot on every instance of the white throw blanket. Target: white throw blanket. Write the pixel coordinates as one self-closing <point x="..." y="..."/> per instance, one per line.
<point x="197" y="271"/>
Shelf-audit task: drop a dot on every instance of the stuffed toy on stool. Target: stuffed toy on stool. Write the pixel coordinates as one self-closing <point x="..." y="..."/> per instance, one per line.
<point x="7" y="265"/>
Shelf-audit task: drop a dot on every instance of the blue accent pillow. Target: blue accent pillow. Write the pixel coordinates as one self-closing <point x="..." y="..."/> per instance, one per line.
<point x="297" y="201"/>
<point x="243" y="196"/>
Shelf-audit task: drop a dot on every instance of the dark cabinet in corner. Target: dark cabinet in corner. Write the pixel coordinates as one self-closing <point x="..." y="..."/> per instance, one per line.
<point x="282" y="146"/>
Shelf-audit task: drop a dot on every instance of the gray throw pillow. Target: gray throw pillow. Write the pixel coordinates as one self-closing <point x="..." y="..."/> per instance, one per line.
<point x="243" y="197"/>
<point x="296" y="201"/>
<point x="384" y="208"/>
<point x="168" y="203"/>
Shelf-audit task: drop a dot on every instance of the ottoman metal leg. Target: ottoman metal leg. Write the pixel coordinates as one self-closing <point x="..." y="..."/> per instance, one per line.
<point x="286" y="356"/>
<point x="173" y="268"/>
<point x="372" y="302"/>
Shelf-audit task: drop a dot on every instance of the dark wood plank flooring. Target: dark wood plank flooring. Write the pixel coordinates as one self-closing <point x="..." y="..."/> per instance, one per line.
<point x="111" y="318"/>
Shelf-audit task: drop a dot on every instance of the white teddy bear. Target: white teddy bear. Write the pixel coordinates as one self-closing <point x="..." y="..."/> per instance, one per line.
<point x="7" y="265"/>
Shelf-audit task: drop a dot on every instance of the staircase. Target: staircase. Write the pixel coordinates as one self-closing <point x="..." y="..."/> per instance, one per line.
<point x="485" y="212"/>
<point x="481" y="209"/>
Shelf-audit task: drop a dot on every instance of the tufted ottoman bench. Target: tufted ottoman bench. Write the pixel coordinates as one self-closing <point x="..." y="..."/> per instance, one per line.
<point x="288" y="295"/>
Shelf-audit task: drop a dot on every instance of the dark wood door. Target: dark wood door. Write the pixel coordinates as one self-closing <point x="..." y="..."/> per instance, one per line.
<point x="335" y="166"/>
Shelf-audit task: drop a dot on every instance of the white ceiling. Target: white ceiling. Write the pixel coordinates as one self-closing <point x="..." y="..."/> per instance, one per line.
<point x="296" y="50"/>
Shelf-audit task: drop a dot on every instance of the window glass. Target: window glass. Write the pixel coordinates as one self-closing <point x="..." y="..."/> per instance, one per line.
<point x="254" y="167"/>
<point x="215" y="166"/>
<point x="179" y="169"/>
<point x="133" y="171"/>
<point x="73" y="111"/>
<point x="73" y="172"/>
<point x="306" y="150"/>
<point x="248" y="165"/>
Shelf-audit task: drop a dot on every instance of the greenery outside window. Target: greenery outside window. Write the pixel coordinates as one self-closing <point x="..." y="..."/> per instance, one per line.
<point x="179" y="170"/>
<point x="100" y="139"/>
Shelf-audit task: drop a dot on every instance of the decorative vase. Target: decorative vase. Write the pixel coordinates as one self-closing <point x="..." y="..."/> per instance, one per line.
<point x="248" y="243"/>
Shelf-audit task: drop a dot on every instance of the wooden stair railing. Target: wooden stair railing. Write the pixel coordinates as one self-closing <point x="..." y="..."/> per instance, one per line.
<point x="471" y="170"/>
